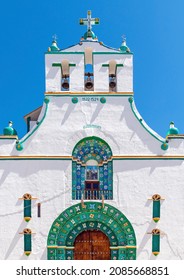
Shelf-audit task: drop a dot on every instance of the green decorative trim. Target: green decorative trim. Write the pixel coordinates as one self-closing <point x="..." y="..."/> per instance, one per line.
<point x="103" y="100"/>
<point x="97" y="149"/>
<point x="133" y="157"/>
<point x="59" y="94"/>
<point x="8" y="137"/>
<point x="132" y="105"/>
<point x="156" y="210"/>
<point x="19" y="145"/>
<point x="155" y="242"/>
<point x="164" y="146"/>
<point x="91" y="216"/>
<point x="92" y="139"/>
<point x="117" y="65"/>
<point x="56" y="64"/>
<point x="59" y="64"/>
<point x="60" y="52"/>
<point x="27" y="209"/>
<point x="116" y="53"/>
<point x="27" y="244"/>
<point x="35" y="157"/>
<point x="179" y="136"/>
<point x="75" y="100"/>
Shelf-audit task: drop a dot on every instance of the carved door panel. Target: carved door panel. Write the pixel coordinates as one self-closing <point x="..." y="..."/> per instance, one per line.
<point x="92" y="245"/>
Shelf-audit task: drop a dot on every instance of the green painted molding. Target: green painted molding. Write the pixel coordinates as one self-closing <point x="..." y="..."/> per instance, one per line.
<point x="6" y="137"/>
<point x="90" y="95"/>
<point x="133" y="157"/>
<point x="64" y="52"/>
<point x="141" y="121"/>
<point x="117" y="65"/>
<point x="59" y="64"/>
<point x="19" y="145"/>
<point x="116" y="53"/>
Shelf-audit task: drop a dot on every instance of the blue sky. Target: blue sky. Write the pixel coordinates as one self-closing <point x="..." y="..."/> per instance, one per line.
<point x="154" y="31"/>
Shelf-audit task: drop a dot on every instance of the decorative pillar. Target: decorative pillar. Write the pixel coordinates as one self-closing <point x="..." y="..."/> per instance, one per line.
<point x="27" y="241"/>
<point x="27" y="206"/>
<point x="155" y="241"/>
<point x="156" y="207"/>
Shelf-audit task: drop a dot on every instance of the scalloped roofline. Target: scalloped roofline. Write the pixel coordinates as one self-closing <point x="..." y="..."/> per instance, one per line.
<point x="143" y="123"/>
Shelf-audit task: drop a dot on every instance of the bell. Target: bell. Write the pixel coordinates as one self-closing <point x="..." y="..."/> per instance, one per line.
<point x="89" y="83"/>
<point x="65" y="84"/>
<point x="112" y="83"/>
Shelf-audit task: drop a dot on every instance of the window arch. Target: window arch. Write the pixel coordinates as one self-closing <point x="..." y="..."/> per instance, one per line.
<point x="92" y="169"/>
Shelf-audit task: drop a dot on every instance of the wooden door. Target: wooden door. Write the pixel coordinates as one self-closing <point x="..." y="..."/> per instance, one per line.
<point x="92" y="245"/>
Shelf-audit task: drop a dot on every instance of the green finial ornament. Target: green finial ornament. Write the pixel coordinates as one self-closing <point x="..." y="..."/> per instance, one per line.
<point x="54" y="46"/>
<point x="9" y="130"/>
<point x="124" y="47"/>
<point x="172" y="129"/>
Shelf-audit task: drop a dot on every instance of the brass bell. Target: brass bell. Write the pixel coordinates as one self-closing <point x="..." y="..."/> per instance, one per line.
<point x="89" y="83"/>
<point x="112" y="82"/>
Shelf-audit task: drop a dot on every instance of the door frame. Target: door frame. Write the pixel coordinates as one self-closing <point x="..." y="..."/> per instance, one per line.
<point x="91" y="244"/>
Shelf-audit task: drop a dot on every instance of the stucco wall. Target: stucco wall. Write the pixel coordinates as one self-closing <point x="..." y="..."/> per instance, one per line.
<point x="134" y="182"/>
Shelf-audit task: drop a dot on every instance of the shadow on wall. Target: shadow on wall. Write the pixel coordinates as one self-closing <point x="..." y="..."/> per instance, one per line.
<point x="44" y="255"/>
<point x="67" y="113"/>
<point x="148" y="163"/>
<point x="16" y="239"/>
<point x="24" y="170"/>
<point x="147" y="139"/>
<point x="146" y="238"/>
<point x="96" y="112"/>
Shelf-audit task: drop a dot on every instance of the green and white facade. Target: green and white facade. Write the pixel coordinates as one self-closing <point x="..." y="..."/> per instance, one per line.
<point x="89" y="129"/>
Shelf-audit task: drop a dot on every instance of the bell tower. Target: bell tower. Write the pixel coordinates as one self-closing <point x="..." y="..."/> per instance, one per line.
<point x="89" y="66"/>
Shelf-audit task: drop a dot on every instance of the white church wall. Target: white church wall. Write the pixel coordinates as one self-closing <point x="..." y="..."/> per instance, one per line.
<point x="113" y="121"/>
<point x="45" y="180"/>
<point x="101" y="74"/>
<point x="53" y="74"/>
<point x="125" y="73"/>
<point x="135" y="181"/>
<point x="7" y="146"/>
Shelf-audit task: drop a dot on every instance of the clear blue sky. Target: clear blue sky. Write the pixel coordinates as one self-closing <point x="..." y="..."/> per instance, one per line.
<point x="154" y="31"/>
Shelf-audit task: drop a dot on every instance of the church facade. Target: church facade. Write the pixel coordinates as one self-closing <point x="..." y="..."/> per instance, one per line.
<point x="90" y="180"/>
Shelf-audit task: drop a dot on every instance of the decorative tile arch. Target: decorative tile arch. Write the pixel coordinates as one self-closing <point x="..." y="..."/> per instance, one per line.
<point x="78" y="218"/>
<point x="92" y="148"/>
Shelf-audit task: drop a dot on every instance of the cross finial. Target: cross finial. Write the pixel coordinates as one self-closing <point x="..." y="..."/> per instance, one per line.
<point x="123" y="38"/>
<point x="54" y="37"/>
<point x="89" y="21"/>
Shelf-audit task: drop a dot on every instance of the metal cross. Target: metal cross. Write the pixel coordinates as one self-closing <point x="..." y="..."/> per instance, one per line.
<point x="89" y="21"/>
<point x="54" y="37"/>
<point x="123" y="37"/>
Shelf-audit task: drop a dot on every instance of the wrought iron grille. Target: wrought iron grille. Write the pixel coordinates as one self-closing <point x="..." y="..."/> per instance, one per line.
<point x="92" y="195"/>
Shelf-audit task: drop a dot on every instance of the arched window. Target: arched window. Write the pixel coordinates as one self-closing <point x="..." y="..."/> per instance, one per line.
<point x="92" y="169"/>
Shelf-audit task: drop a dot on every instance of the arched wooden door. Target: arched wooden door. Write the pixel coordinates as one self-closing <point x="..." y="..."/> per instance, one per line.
<point x="92" y="245"/>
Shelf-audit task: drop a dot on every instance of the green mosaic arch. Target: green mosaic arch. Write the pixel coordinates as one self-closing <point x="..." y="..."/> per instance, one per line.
<point x="94" y="215"/>
<point x="92" y="148"/>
